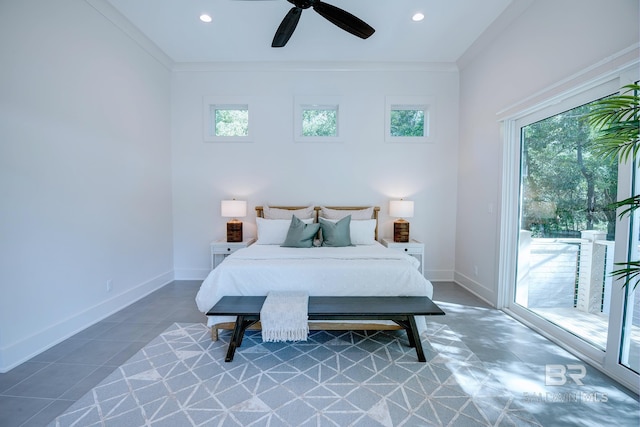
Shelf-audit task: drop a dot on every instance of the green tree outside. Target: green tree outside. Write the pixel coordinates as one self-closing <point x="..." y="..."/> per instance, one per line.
<point x="231" y="122"/>
<point x="407" y="123"/>
<point x="566" y="186"/>
<point x="320" y="122"/>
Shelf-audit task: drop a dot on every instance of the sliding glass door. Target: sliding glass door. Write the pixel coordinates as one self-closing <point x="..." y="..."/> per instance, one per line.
<point x="562" y="238"/>
<point x="567" y="227"/>
<point x="630" y="341"/>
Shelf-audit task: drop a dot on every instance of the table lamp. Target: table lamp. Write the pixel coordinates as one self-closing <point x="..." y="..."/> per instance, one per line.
<point x="234" y="209"/>
<point x="401" y="209"/>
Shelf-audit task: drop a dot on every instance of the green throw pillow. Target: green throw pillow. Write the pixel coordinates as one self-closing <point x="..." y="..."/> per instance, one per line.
<point x="336" y="234"/>
<point x="300" y="235"/>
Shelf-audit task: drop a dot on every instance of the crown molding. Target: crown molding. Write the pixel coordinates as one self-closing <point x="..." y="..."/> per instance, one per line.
<point x="114" y="16"/>
<point x="311" y="66"/>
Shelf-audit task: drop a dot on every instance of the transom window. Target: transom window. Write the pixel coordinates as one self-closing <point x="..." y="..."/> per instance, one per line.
<point x="226" y="120"/>
<point x="408" y="119"/>
<point x="230" y="120"/>
<point x="317" y="119"/>
<point x="320" y="120"/>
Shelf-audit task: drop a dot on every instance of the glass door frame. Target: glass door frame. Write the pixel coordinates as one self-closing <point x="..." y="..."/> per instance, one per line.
<point x="608" y="360"/>
<point x="612" y="362"/>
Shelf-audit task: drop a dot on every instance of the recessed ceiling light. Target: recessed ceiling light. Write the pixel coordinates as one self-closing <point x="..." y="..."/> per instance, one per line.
<point x="205" y="18"/>
<point x="418" y="17"/>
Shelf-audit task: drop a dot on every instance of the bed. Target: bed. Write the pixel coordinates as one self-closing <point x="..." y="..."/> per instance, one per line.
<point x="364" y="268"/>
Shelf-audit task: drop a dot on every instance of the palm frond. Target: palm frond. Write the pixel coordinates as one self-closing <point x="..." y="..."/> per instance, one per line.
<point x="616" y="120"/>
<point x="611" y="147"/>
<point x="628" y="274"/>
<point x="632" y="203"/>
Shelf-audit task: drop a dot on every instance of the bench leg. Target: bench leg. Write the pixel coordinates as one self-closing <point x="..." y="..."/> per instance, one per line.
<point x="238" y="333"/>
<point x="407" y="328"/>
<point x="414" y="339"/>
<point x="409" y="325"/>
<point x="236" y="339"/>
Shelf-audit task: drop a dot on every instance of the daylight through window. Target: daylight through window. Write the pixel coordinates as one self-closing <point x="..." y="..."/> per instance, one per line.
<point x="566" y="188"/>
<point x="407" y="121"/>
<point x="230" y="121"/>
<point x="320" y="121"/>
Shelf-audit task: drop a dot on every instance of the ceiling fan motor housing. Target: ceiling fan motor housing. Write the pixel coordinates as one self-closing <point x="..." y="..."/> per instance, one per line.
<point x="302" y="4"/>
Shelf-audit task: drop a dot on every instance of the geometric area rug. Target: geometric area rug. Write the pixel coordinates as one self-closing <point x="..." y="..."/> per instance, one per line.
<point x="335" y="378"/>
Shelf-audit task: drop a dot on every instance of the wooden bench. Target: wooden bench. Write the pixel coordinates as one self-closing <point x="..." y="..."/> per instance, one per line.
<point x="401" y="310"/>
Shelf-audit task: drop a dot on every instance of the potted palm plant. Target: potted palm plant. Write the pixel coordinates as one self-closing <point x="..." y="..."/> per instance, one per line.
<point x="616" y="121"/>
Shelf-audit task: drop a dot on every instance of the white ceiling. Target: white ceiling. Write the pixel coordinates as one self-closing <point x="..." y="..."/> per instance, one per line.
<point x="242" y="30"/>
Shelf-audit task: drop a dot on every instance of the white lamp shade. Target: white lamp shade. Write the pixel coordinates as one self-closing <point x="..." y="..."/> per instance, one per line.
<point x="233" y="208"/>
<point x="401" y="208"/>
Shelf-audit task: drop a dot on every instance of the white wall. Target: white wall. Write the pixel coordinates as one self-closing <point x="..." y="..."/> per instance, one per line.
<point x="85" y="181"/>
<point x="273" y="169"/>
<point x="549" y="42"/>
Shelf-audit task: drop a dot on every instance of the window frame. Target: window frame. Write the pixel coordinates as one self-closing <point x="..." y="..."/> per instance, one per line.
<point x="410" y="103"/>
<point x="601" y="80"/>
<point x="210" y="104"/>
<point x="303" y="103"/>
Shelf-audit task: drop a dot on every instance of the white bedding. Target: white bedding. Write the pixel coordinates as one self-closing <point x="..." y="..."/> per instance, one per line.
<point x="363" y="270"/>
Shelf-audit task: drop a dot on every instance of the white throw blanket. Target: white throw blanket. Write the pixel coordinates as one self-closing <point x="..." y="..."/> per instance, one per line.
<point x="284" y="316"/>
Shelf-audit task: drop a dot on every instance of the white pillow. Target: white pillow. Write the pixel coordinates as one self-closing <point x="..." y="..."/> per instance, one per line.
<point x="274" y="231"/>
<point x="279" y="213"/>
<point x="356" y="214"/>
<point x="362" y="231"/>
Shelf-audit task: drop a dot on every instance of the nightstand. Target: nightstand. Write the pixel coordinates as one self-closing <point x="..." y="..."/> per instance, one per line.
<point x="221" y="249"/>
<point x="412" y="247"/>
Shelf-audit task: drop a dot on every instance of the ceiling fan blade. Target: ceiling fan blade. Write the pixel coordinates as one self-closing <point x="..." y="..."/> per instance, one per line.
<point x="287" y="27"/>
<point x="343" y="19"/>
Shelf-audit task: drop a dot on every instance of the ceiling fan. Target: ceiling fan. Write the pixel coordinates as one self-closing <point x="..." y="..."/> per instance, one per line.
<point x="333" y="14"/>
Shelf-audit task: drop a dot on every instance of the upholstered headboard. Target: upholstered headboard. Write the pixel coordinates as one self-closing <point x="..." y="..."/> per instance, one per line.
<point x="376" y="210"/>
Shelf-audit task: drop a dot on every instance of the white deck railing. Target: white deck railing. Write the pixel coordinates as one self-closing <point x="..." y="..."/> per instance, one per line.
<point x="565" y="272"/>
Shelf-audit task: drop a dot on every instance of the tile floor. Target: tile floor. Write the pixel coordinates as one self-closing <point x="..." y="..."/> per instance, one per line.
<point x="35" y="392"/>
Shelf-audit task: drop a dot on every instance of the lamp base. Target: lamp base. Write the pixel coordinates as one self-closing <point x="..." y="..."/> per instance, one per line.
<point x="234" y="231"/>
<point x="401" y="231"/>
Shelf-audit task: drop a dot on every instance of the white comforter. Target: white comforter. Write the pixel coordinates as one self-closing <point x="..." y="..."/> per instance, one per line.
<point x="364" y="270"/>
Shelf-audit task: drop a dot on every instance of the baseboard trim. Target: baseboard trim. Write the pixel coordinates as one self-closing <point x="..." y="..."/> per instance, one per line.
<point x="23" y="350"/>
<point x="439" y="275"/>
<point x="482" y="292"/>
